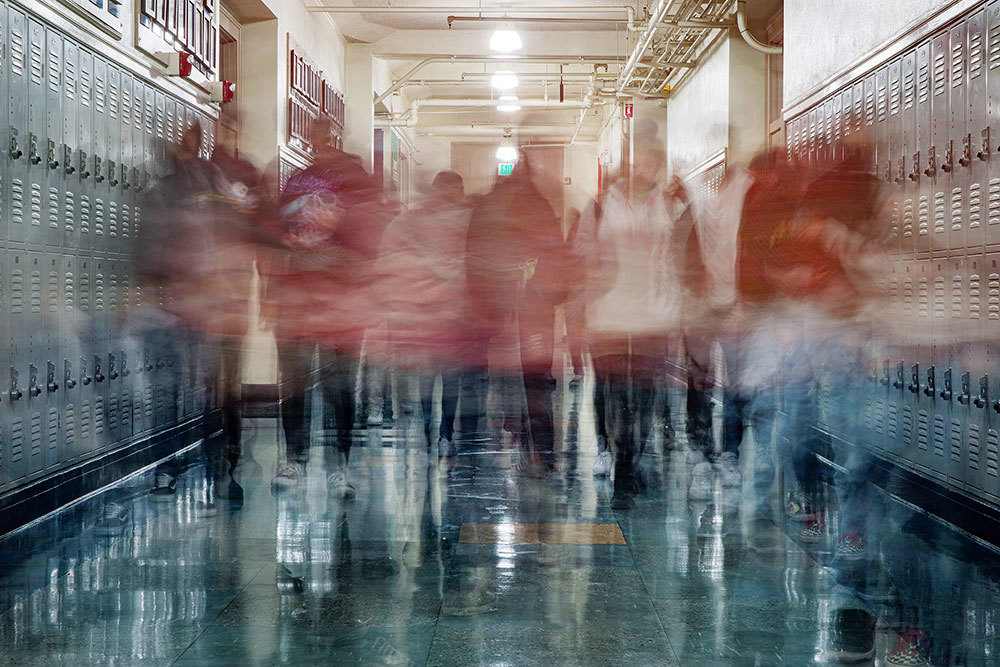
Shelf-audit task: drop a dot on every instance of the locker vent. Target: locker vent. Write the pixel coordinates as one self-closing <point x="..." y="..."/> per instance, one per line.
<point x="922" y="298"/>
<point x="992" y="452"/>
<point x="956" y="210"/>
<point x="126" y="221"/>
<point x="69" y="213"/>
<point x="879" y="416"/>
<point x="84" y="214"/>
<point x="975" y="210"/>
<point x="53" y="208"/>
<point x="975" y="50"/>
<point x="149" y="115"/>
<point x="939" y="296"/>
<point x="99" y="417"/>
<point x="894" y="92"/>
<point x="147" y="403"/>
<point x="908" y="77"/>
<point x="137" y="409"/>
<point x="160" y="124"/>
<point x="86" y="89"/>
<point x="908" y="297"/>
<point x="126" y="414"/>
<point x="17" y="291"/>
<point x="69" y="70"/>
<point x="171" y="124"/>
<point x="908" y="426"/>
<point x="17" y="202"/>
<point x="136" y="217"/>
<point x="923" y="77"/>
<point x="99" y="217"/>
<point x="113" y="99"/>
<point x="112" y="292"/>
<point x="69" y="429"/>
<point x="993" y="306"/>
<point x="85" y="292"/>
<point x="161" y="404"/>
<point x="869" y="103"/>
<point x="974" y="296"/>
<point x="891" y="421"/>
<point x="907" y="218"/>
<point x="53" y="292"/>
<point x="53" y="428"/>
<point x="125" y="292"/>
<point x="16" y="440"/>
<point x="17" y="51"/>
<point x="868" y="417"/>
<point x="939" y="213"/>
<point x="100" y="92"/>
<point x="956" y="295"/>
<point x="137" y="111"/>
<point x="113" y="219"/>
<point x="36" y="204"/>
<point x="938" y="433"/>
<point x="956" y="441"/>
<point x="957" y="59"/>
<point x="36" y="63"/>
<point x="858" y="107"/>
<point x="940" y="72"/>
<point x="973" y="446"/>
<point x="994" y="38"/>
<point x="36" y="292"/>
<point x="881" y="99"/>
<point x="85" y="420"/>
<point x="55" y="70"/>
<point x="895" y="226"/>
<point x="99" y="292"/>
<point x="923" y="216"/>
<point x="69" y="287"/>
<point x="36" y="434"/>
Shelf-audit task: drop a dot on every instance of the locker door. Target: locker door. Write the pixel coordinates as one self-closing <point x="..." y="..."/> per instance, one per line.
<point x="68" y="156"/>
<point x="7" y="471"/>
<point x="18" y="118"/>
<point x="114" y="385"/>
<point x="49" y="383"/>
<point x="161" y="133"/>
<point x="869" y="119"/>
<point x="86" y="438"/>
<point x="846" y="111"/>
<point x="811" y="133"/>
<point x="922" y="177"/>
<point x="68" y="369"/>
<point x="208" y="141"/>
<point x="881" y="158"/>
<point x="957" y="152"/>
<point x="937" y="178"/>
<point x="98" y="350"/>
<point x="102" y="142"/>
<point x="895" y="349"/>
<point x="87" y="153"/>
<point x="977" y="356"/>
<point x="891" y="159"/>
<point x="127" y="177"/>
<point x="37" y="350"/>
<point x="985" y="468"/>
<point x="837" y="134"/>
<point x="904" y="372"/>
<point x="826" y="127"/>
<point x="902" y="195"/>
<point x="19" y="349"/>
<point x="976" y="144"/>
<point x="992" y="210"/>
<point x="955" y="333"/>
<point x="114" y="161"/>
<point x="935" y="355"/>
<point x="37" y="130"/>
<point x="53" y="141"/>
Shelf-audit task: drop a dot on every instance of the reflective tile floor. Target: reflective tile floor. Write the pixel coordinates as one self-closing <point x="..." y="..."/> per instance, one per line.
<point x="467" y="562"/>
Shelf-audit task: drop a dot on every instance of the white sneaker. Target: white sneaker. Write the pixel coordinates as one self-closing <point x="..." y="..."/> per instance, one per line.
<point x="701" y="482"/>
<point x="288" y="476"/>
<point x="446" y="447"/>
<point x="602" y="464"/>
<point x="338" y="484"/>
<point x="729" y="470"/>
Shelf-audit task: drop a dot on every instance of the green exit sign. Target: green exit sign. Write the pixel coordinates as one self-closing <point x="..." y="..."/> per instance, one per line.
<point x="505" y="168"/>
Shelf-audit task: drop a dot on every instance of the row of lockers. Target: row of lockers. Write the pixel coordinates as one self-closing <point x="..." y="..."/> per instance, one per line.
<point x="86" y="137"/>
<point x="931" y="120"/>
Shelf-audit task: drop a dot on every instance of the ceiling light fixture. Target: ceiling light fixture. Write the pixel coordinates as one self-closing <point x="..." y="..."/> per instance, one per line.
<point x="507" y="153"/>
<point x="508" y="104"/>
<point x="504" y="80"/>
<point x="505" y="39"/>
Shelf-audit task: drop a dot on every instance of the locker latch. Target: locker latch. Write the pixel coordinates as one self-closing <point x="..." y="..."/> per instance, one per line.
<point x="963" y="398"/>
<point x="901" y="172"/>
<point x="68" y="374"/>
<point x="915" y="174"/>
<point x="888" y="172"/>
<point x="885" y="374"/>
<point x="984" y="392"/>
<point x="946" y="393"/>
<point x="898" y="382"/>
<point x="125" y="371"/>
<point x="147" y="359"/>
<point x="112" y="373"/>
<point x="15" y="152"/>
<point x="929" y="388"/>
<point x="84" y="378"/>
<point x="50" y="154"/>
<point x="33" y="156"/>
<point x="984" y="152"/>
<point x="68" y="160"/>
<point x="931" y="169"/>
<point x="50" y="378"/>
<point x="949" y="158"/>
<point x="135" y="178"/>
<point x="84" y="172"/>
<point x="112" y="173"/>
<point x="98" y="175"/>
<point x="124" y="177"/>
<point x="159" y="363"/>
<point x="98" y="376"/>
<point x="914" y="385"/>
<point x="33" y="388"/>
<point x="15" y="393"/>
<point x="966" y="158"/>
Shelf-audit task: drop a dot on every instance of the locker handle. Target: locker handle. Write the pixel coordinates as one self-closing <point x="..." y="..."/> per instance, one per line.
<point x="946" y="393"/>
<point x="964" y="397"/>
<point x="33" y="156"/>
<point x="51" y="155"/>
<point x="84" y="172"/>
<point x="984" y="153"/>
<point x="98" y="376"/>
<point x="112" y="372"/>
<point x="983" y="397"/>
<point x="15" y="393"/>
<point x="33" y="388"/>
<point x="914" y="385"/>
<point x="68" y="160"/>
<point x="112" y="171"/>
<point x="931" y="164"/>
<point x="929" y="389"/>
<point x="124" y="177"/>
<point x="98" y="176"/>
<point x="915" y="174"/>
<point x="949" y="159"/>
<point x="966" y="158"/>
<point x="50" y="381"/>
<point x="125" y="371"/>
<point x="68" y="375"/>
<point x="15" y="152"/>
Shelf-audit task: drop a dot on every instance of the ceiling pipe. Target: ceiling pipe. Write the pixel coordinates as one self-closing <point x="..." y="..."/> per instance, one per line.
<point x="644" y="40"/>
<point x="741" y="23"/>
<point x="663" y="25"/>
<point x="444" y="102"/>
<point x="540" y="9"/>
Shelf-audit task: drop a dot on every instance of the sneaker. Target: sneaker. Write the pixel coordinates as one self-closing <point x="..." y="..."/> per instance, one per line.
<point x="338" y="484"/>
<point x="288" y="476"/>
<point x="729" y="470"/>
<point x="164" y="488"/>
<point x="851" y="638"/>
<point x="911" y="650"/>
<point x="798" y="508"/>
<point x="701" y="482"/>
<point x="446" y="448"/>
<point x="205" y="509"/>
<point x="763" y="468"/>
<point x="375" y="416"/>
<point x="603" y="463"/>
<point x="576" y="381"/>
<point x="815" y="530"/>
<point x="112" y="520"/>
<point x="851" y="547"/>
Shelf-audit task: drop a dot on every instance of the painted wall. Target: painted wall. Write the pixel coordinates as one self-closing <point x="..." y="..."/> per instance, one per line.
<point x="698" y="112"/>
<point x="824" y="38"/>
<point x="747" y="101"/>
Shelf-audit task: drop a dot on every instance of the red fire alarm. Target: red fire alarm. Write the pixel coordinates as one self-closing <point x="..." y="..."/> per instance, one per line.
<point x="222" y="91"/>
<point x="178" y="63"/>
<point x="628" y="109"/>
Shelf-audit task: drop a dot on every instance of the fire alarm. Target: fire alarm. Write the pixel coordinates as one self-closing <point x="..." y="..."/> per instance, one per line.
<point x="628" y="109"/>
<point x="222" y="91"/>
<point x="178" y="63"/>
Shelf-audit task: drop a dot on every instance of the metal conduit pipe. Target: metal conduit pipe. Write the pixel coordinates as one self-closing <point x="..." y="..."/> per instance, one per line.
<point x="693" y="23"/>
<point x="644" y="41"/>
<point x="540" y="9"/>
<point x="741" y="23"/>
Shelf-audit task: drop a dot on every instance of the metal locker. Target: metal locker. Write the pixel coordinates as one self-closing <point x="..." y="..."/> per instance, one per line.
<point x="917" y="448"/>
<point x="937" y="164"/>
<point x="904" y="373"/>
<point x="811" y="136"/>
<point x="128" y="175"/>
<point x="846" y="110"/>
<point x="37" y="348"/>
<point x="86" y="434"/>
<point x="87" y="151"/>
<point x="37" y="129"/>
<point x="102" y="143"/>
<point x="977" y="135"/>
<point x="17" y="83"/>
<point x="71" y="350"/>
<point x="890" y="159"/>
<point x="955" y="334"/>
<point x="49" y="383"/>
<point x="208" y="137"/>
<point x="98" y="352"/>
<point x="992" y="186"/>
<point x="114" y="384"/>
<point x="957" y="150"/>
<point x="16" y="373"/>
<point x="7" y="472"/>
<point x="836" y="135"/>
<point x="892" y="363"/>
<point x="881" y="159"/>
<point x="936" y="355"/>
<point x="978" y="356"/>
<point x="52" y="143"/>
<point x="902" y="199"/>
<point x="984" y="468"/>
<point x="921" y="176"/>
<point x="162" y="151"/>
<point x="68" y="151"/>
<point x="114" y="160"/>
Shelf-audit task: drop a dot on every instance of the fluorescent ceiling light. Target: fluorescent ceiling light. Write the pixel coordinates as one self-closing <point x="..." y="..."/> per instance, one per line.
<point x="504" y="80"/>
<point x="505" y="39"/>
<point x="507" y="154"/>
<point x="508" y="103"/>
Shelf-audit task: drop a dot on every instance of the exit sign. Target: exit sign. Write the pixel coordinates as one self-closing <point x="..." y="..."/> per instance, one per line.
<point x="505" y="168"/>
